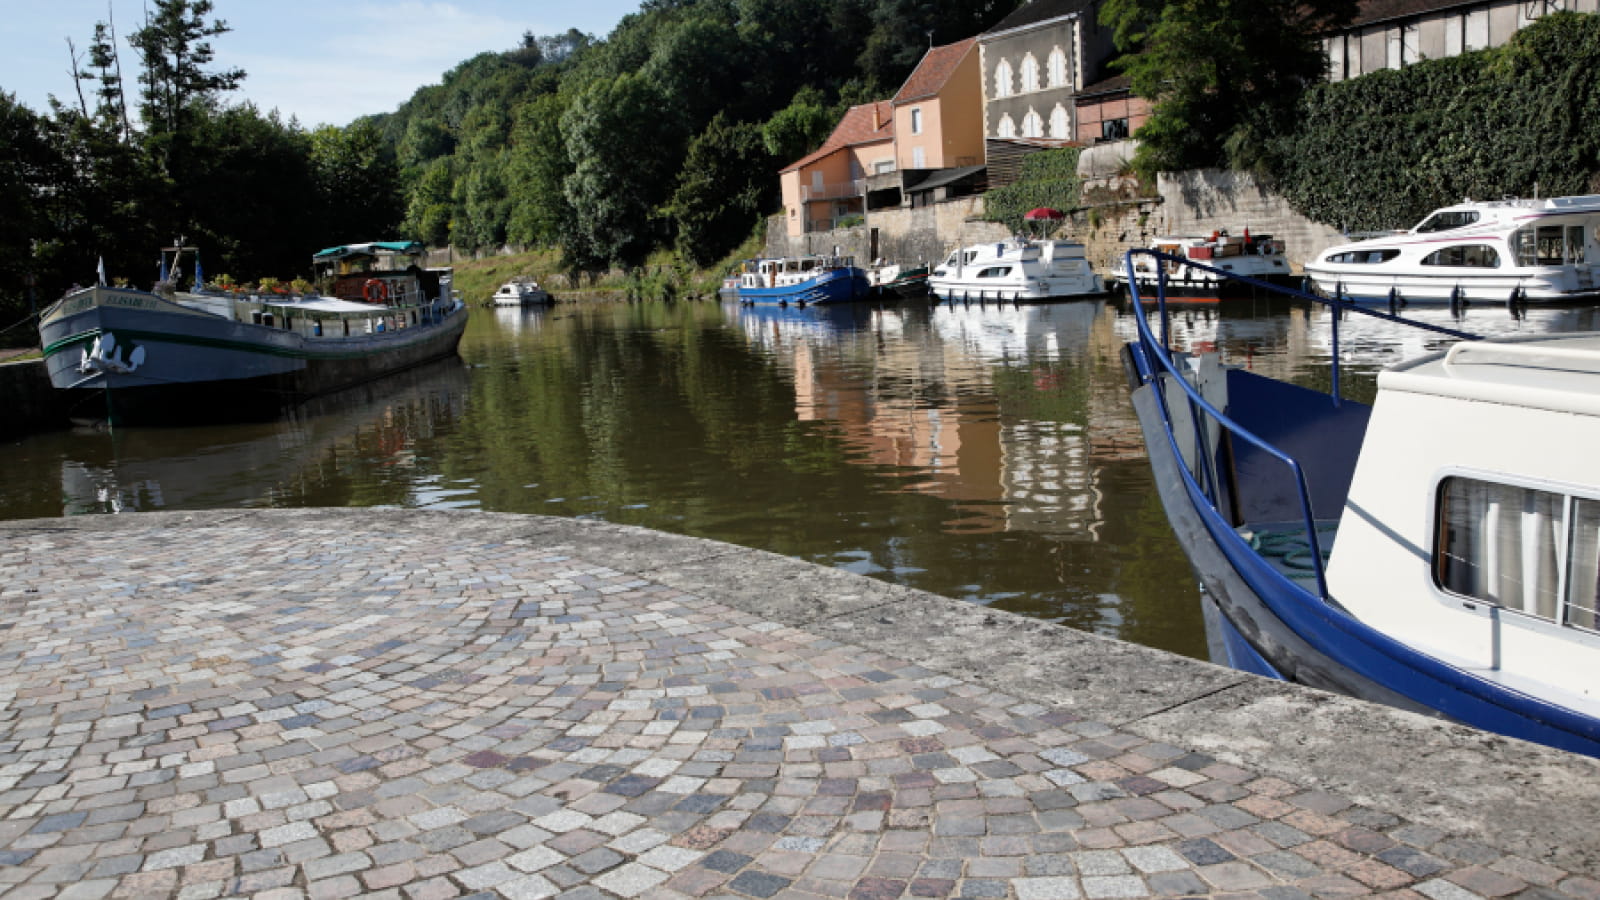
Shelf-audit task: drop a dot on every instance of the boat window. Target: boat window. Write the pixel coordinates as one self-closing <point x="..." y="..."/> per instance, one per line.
<point x="1362" y="257"/>
<point x="995" y="272"/>
<point x="1475" y="256"/>
<point x="1501" y="543"/>
<point x="1547" y="245"/>
<point x="1444" y="221"/>
<point x="1583" y="566"/>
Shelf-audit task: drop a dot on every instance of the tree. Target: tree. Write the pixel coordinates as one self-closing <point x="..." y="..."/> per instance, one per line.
<point x="27" y="166"/>
<point x="536" y="171"/>
<point x="357" y="181"/>
<point x="725" y="184"/>
<point x="625" y="157"/>
<point x="429" y="212"/>
<point x="800" y="127"/>
<point x="174" y="51"/>
<point x="1223" y="74"/>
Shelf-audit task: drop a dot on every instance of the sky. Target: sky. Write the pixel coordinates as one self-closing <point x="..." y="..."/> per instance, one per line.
<point x="321" y="61"/>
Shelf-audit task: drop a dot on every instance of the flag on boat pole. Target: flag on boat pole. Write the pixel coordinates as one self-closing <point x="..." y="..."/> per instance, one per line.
<point x="101" y="270"/>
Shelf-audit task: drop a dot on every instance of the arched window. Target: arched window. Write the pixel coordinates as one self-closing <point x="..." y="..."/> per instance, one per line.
<point x="1059" y="125"/>
<point x="1002" y="79"/>
<point x="1007" y="127"/>
<point x="1030" y="73"/>
<point x="1032" y="125"/>
<point x="1057" y="68"/>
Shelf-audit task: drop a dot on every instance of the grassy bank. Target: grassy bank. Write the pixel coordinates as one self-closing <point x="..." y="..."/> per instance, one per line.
<point x="664" y="276"/>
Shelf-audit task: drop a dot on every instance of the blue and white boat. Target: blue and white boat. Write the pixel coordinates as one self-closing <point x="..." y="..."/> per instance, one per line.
<point x="171" y="357"/>
<point x="803" y="280"/>
<point x="1438" y="550"/>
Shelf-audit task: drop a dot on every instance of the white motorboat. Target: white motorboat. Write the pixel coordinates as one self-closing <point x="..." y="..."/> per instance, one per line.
<point x="520" y="293"/>
<point x="1497" y="250"/>
<point x="1438" y="550"/>
<point x="1259" y="257"/>
<point x="1018" y="269"/>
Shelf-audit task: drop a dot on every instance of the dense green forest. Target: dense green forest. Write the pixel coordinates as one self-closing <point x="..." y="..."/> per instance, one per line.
<point x="665" y="133"/>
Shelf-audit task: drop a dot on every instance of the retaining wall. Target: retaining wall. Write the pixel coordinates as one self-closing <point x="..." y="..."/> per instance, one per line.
<point x="30" y="403"/>
<point x="1115" y="219"/>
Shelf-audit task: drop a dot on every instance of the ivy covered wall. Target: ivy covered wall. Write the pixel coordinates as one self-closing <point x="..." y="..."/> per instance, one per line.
<point x="1381" y="151"/>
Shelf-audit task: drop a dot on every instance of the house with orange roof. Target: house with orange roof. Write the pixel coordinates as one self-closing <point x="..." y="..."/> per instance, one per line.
<point x="938" y="113"/>
<point x="829" y="183"/>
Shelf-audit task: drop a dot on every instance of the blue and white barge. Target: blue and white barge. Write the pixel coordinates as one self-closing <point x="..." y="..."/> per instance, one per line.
<point x="803" y="280"/>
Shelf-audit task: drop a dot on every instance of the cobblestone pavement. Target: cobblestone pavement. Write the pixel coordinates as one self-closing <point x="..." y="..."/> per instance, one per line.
<point x="328" y="712"/>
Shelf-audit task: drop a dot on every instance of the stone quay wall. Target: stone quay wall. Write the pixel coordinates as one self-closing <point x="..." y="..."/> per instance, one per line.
<point x="1118" y="216"/>
<point x="31" y="404"/>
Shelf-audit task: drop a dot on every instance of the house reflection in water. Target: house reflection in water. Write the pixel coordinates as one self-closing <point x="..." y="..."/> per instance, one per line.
<point x="993" y="407"/>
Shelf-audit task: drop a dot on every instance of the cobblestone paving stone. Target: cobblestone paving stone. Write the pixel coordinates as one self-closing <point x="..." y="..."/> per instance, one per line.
<point x="320" y="713"/>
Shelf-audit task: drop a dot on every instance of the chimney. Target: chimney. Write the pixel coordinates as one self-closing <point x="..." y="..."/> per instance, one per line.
<point x="875" y="125"/>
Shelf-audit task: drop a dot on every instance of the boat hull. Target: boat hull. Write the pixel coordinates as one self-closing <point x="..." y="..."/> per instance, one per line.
<point x="1199" y="290"/>
<point x="1375" y="290"/>
<point x="1282" y="629"/>
<point x="966" y="290"/>
<point x="171" y="365"/>
<point x="843" y="285"/>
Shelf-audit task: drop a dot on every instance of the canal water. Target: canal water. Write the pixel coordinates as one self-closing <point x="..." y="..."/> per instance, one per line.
<point x="987" y="453"/>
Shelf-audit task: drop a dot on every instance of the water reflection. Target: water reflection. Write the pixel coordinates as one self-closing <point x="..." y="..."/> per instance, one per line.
<point x="328" y="449"/>
<point x="986" y="452"/>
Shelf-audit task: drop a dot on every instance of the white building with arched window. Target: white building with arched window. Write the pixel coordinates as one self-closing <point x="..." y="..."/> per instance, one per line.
<point x="1036" y="59"/>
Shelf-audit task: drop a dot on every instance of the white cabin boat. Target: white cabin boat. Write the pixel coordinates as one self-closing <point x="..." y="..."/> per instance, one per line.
<point x="520" y="293"/>
<point x="1536" y="251"/>
<point x="1259" y="257"/>
<point x="1438" y="551"/>
<point x="1016" y="270"/>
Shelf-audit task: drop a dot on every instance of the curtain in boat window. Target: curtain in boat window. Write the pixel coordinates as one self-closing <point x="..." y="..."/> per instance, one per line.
<point x="1583" y="566"/>
<point x="1499" y="543"/>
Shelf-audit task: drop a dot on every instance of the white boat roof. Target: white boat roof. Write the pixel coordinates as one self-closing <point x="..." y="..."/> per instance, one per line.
<point x="1560" y="373"/>
<point x="331" y="304"/>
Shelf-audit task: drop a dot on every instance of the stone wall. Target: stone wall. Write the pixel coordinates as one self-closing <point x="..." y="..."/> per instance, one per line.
<point x="32" y="405"/>
<point x="1117" y="217"/>
<point x="1203" y="200"/>
<point x="907" y="236"/>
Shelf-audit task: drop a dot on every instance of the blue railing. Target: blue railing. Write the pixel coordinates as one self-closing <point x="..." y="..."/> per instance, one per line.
<point x="1157" y="353"/>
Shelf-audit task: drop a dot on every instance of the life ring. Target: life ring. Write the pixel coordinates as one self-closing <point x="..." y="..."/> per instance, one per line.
<point x="375" y="291"/>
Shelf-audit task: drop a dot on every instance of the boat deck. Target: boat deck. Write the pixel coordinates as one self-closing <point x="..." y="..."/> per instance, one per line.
<point x="1285" y="546"/>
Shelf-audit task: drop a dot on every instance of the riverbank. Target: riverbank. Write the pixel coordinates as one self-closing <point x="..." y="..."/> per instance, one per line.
<point x="321" y="702"/>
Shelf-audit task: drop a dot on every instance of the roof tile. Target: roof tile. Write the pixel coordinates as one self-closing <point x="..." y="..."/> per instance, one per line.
<point x="935" y="69"/>
<point x="858" y="125"/>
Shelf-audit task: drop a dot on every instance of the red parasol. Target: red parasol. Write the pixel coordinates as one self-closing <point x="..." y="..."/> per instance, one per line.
<point x="1042" y="213"/>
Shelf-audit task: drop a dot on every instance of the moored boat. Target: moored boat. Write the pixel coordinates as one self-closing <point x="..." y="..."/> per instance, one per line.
<point x="170" y="357"/>
<point x="1438" y="550"/>
<point x="520" y="292"/>
<point x="803" y="280"/>
<point x="1535" y="251"/>
<point x="1016" y="270"/>
<point x="1197" y="268"/>
<point x="891" y="280"/>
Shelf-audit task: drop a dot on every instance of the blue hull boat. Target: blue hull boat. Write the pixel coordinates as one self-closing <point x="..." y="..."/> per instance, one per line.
<point x="803" y="280"/>
<point x="1437" y="551"/>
